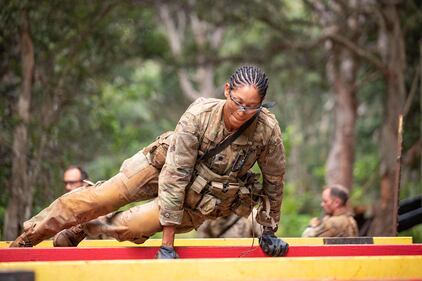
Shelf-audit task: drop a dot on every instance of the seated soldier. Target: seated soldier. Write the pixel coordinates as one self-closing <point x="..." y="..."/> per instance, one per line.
<point x="74" y="177"/>
<point x="338" y="220"/>
<point x="200" y="171"/>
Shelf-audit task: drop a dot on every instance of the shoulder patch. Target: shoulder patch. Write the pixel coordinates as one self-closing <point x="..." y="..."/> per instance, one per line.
<point x="267" y="119"/>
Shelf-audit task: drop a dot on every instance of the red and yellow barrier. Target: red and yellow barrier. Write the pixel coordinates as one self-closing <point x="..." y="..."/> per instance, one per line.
<point x="250" y="269"/>
<point x="201" y="252"/>
<point x="380" y="258"/>
<point x="231" y="242"/>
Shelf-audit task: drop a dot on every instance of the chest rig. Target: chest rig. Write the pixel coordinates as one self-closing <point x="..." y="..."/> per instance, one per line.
<point x="215" y="195"/>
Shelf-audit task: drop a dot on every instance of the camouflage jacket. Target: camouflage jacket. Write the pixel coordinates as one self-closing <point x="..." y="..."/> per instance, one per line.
<point x="340" y="225"/>
<point x="202" y="127"/>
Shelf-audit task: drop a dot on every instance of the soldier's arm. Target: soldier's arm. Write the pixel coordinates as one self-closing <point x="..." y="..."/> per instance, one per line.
<point x="272" y="165"/>
<point x="177" y="170"/>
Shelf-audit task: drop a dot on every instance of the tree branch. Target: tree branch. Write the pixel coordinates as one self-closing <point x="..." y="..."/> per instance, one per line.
<point x="412" y="92"/>
<point x="371" y="58"/>
<point x="174" y="34"/>
<point x="186" y="85"/>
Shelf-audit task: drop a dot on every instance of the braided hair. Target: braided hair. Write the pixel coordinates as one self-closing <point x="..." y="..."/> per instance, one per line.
<point x="250" y="76"/>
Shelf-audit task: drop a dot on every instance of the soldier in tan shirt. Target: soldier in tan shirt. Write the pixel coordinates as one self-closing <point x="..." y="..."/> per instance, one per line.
<point x="338" y="220"/>
<point x="187" y="185"/>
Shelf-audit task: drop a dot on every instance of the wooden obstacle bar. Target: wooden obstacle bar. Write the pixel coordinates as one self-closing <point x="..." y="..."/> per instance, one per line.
<point x="251" y="269"/>
<point x="200" y="252"/>
<point x="406" y="240"/>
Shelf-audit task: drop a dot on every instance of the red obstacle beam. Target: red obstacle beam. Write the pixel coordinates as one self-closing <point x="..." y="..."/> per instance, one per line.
<point x="193" y="252"/>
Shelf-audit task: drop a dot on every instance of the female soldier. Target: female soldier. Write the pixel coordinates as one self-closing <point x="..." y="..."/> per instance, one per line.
<point x="200" y="171"/>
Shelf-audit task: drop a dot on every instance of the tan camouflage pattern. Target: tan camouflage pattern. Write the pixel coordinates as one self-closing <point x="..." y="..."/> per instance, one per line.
<point x="341" y="225"/>
<point x="139" y="178"/>
<point x="136" y="181"/>
<point x="231" y="226"/>
<point x="202" y="127"/>
<point x="136" y="224"/>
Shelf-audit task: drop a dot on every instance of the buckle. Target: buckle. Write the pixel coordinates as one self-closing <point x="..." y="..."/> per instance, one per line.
<point x="225" y="187"/>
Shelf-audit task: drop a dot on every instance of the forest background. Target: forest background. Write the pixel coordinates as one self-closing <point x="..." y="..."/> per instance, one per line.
<point x="92" y="82"/>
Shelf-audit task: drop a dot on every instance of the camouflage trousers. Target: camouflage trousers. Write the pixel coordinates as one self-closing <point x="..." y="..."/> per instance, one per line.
<point x="231" y="226"/>
<point x="91" y="205"/>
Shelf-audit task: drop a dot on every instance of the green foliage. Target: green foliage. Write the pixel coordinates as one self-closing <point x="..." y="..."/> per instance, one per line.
<point x="366" y="176"/>
<point x="125" y="109"/>
<point x="415" y="233"/>
<point x="106" y="85"/>
<point x="293" y="220"/>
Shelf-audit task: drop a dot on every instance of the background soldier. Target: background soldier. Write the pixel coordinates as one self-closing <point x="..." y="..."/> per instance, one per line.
<point x="206" y="175"/>
<point x="338" y="220"/>
<point x="74" y="177"/>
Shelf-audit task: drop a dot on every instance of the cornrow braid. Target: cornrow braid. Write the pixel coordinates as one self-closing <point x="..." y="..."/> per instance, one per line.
<point x="250" y="76"/>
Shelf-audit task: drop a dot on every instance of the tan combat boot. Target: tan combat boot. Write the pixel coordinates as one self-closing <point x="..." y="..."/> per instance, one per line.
<point x="69" y="237"/>
<point x="21" y="241"/>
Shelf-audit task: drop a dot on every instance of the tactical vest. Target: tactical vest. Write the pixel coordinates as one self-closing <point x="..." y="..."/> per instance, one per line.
<point x="209" y="193"/>
<point x="214" y="195"/>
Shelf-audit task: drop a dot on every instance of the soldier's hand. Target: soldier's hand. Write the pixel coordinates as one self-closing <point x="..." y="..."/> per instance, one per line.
<point x="272" y="245"/>
<point x="314" y="222"/>
<point x="166" y="252"/>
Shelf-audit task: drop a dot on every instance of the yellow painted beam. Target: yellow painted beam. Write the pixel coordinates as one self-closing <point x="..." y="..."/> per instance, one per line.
<point x="340" y="268"/>
<point x="219" y="242"/>
<point x="393" y="240"/>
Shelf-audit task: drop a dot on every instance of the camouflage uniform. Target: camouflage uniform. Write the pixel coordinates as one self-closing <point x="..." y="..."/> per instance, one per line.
<point x="200" y="129"/>
<point x="231" y="226"/>
<point x="339" y="225"/>
<point x="189" y="191"/>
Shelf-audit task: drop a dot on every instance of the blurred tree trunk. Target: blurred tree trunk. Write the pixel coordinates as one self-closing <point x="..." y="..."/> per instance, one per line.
<point x="339" y="19"/>
<point x="20" y="200"/>
<point x="391" y="47"/>
<point x="342" y="67"/>
<point x="207" y="38"/>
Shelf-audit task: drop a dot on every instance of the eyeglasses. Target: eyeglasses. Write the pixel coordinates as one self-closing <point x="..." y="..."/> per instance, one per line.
<point x="242" y="108"/>
<point x="71" y="182"/>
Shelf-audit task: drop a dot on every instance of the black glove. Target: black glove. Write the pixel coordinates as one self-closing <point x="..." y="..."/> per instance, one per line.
<point x="166" y="252"/>
<point x="272" y="245"/>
